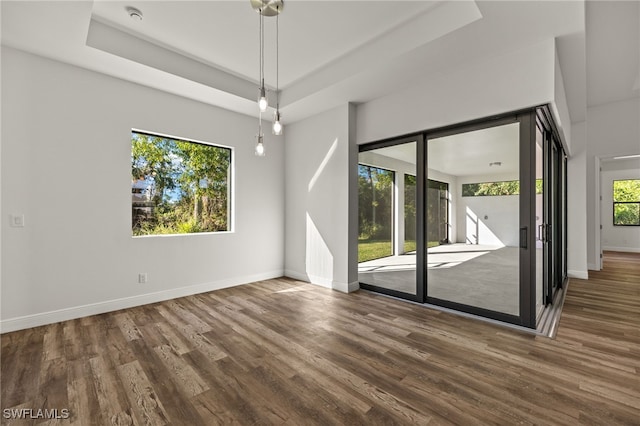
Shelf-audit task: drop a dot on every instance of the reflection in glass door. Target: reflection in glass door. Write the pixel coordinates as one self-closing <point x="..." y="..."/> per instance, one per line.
<point x="437" y="213"/>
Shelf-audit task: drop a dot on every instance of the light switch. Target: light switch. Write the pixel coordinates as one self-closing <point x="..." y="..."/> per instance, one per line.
<point x="17" y="220"/>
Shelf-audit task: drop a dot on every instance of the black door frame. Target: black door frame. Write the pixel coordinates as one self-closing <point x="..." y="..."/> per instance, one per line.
<point x="527" y="218"/>
<point x="421" y="271"/>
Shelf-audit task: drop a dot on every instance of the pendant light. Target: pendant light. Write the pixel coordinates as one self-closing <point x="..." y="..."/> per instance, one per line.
<point x="260" y="139"/>
<point x="262" y="97"/>
<point x="277" y="125"/>
<point x="267" y="8"/>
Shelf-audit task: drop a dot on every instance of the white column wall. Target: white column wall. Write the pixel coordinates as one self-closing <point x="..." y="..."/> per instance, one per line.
<point x="577" y="204"/>
<point x="318" y="163"/>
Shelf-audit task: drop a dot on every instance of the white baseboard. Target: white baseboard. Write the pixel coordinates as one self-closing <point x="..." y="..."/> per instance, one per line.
<point x="623" y="249"/>
<point x="346" y="287"/>
<point x="296" y="275"/>
<point x="44" y="318"/>
<point x="582" y="275"/>
<point x="593" y="267"/>
<point x="323" y="282"/>
<point x="313" y="279"/>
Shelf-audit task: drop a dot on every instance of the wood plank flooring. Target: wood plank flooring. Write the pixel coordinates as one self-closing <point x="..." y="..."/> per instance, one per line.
<point x="286" y="352"/>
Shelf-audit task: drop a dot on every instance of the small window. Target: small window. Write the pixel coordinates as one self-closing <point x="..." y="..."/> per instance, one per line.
<point x="507" y="187"/>
<point x="626" y="202"/>
<point x="179" y="186"/>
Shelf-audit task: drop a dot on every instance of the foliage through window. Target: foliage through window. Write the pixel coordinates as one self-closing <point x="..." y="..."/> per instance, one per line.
<point x="626" y="202"/>
<point x="178" y="186"/>
<point x="375" y="210"/>
<point x="508" y="187"/>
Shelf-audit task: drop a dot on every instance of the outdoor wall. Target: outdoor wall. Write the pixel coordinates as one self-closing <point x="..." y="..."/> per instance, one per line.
<point x="577" y="203"/>
<point x="612" y="130"/>
<point x="66" y="165"/>
<point x="617" y="238"/>
<point x="501" y="225"/>
<point x="320" y="154"/>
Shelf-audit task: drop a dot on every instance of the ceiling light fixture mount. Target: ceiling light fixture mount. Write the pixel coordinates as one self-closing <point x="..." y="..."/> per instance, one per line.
<point x="268" y="7"/>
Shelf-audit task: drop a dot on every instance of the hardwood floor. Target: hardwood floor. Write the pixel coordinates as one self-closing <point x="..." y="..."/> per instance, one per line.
<point x="286" y="352"/>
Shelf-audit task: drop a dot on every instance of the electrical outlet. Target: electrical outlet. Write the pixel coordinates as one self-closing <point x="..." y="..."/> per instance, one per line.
<point x="17" y="220"/>
<point x="142" y="278"/>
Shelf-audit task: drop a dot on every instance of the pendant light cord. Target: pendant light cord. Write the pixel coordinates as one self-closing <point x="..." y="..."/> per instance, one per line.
<point x="278" y="60"/>
<point x="261" y="49"/>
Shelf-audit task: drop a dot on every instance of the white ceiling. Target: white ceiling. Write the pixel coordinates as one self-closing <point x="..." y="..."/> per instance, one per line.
<point x="471" y="153"/>
<point x="331" y="52"/>
<point x="467" y="154"/>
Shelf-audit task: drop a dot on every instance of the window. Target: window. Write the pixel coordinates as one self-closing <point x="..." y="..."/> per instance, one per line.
<point x="626" y="202"/>
<point x="179" y="186"/>
<point x="375" y="208"/>
<point x="508" y="187"/>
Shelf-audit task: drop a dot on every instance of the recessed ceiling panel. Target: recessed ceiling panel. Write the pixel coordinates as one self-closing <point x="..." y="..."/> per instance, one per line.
<point x="225" y="34"/>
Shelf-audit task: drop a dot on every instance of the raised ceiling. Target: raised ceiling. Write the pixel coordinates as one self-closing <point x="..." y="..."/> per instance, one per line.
<point x="331" y="52"/>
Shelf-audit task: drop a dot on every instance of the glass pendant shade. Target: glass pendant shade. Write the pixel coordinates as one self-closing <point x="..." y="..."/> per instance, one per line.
<point x="262" y="100"/>
<point x="277" y="125"/>
<point x="260" y="146"/>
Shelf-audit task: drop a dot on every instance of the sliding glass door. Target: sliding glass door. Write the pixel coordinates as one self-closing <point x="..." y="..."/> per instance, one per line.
<point x="551" y="227"/>
<point x="478" y="268"/>
<point x="470" y="217"/>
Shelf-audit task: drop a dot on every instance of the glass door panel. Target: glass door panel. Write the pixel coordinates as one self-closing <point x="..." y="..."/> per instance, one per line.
<point x="387" y="205"/>
<point x="540" y="216"/>
<point x="479" y="264"/>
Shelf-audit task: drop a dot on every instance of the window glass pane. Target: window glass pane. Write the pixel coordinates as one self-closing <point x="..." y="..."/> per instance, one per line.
<point x="626" y="190"/>
<point x="626" y="202"/>
<point x="626" y="213"/>
<point x="376" y="212"/>
<point x="473" y="254"/>
<point x="387" y="218"/>
<point x="178" y="186"/>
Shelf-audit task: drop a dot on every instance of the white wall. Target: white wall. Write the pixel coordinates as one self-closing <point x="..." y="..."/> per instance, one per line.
<point x="66" y="166"/>
<point x="559" y="105"/>
<point x="577" y="203"/>
<point x="617" y="238"/>
<point x="612" y="129"/>
<point x="318" y="162"/>
<point x="494" y="85"/>
<point x="501" y="227"/>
